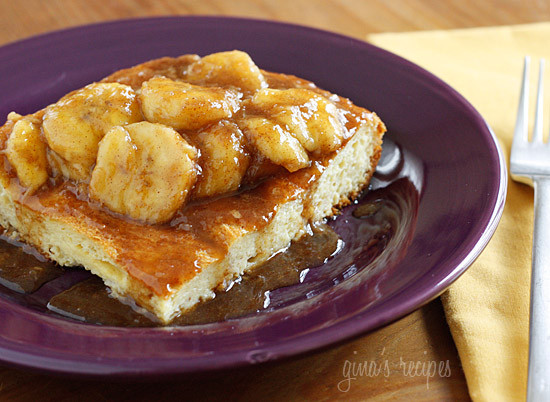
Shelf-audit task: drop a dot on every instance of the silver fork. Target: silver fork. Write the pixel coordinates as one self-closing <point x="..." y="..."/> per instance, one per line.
<point x="530" y="162"/>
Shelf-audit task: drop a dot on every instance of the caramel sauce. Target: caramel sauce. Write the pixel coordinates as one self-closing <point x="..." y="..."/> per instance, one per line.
<point x="22" y="269"/>
<point x="252" y="292"/>
<point x="90" y="300"/>
<point x="164" y="256"/>
<point x="168" y="67"/>
<point x="375" y="231"/>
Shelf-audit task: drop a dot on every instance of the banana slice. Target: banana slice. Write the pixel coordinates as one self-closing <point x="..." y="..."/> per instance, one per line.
<point x="227" y="69"/>
<point x="288" y="125"/>
<point x="27" y="154"/>
<point x="224" y="159"/>
<point x="75" y="124"/>
<point x="144" y="171"/>
<point x="314" y="120"/>
<point x="185" y="106"/>
<point x="275" y="142"/>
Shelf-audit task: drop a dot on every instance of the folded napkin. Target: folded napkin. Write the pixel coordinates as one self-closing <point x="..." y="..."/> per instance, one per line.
<point x="487" y="308"/>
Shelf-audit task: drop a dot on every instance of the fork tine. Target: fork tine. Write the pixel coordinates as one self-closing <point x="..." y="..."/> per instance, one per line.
<point x="537" y="129"/>
<point x="521" y="130"/>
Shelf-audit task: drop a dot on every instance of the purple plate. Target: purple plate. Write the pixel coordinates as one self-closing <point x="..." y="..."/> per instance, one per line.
<point x="441" y="186"/>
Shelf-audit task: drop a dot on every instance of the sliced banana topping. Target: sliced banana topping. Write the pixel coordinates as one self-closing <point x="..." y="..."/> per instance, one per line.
<point x="275" y="142"/>
<point x="286" y="126"/>
<point x="314" y="120"/>
<point x="74" y="126"/>
<point x="144" y="171"/>
<point x="224" y="159"/>
<point x="27" y="154"/>
<point x="227" y="69"/>
<point x="184" y="106"/>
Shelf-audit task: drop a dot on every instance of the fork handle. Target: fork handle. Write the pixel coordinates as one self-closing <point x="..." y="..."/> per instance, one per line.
<point x="538" y="383"/>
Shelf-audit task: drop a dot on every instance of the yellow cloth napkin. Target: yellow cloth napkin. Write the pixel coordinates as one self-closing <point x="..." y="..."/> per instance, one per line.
<point x="487" y="308"/>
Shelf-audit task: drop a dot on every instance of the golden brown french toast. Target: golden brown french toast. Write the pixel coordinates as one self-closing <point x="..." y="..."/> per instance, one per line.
<point x="172" y="178"/>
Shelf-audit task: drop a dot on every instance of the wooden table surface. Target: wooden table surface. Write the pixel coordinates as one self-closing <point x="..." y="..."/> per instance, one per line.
<point x="422" y="338"/>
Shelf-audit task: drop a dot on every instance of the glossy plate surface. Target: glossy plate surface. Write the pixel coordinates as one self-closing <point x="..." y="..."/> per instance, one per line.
<point x="439" y="190"/>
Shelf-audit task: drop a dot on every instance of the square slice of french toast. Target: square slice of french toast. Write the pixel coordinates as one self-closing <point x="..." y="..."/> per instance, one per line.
<point x="172" y="178"/>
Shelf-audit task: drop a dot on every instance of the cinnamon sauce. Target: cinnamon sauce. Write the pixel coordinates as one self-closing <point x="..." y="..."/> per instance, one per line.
<point x="382" y="222"/>
<point x="22" y="269"/>
<point x="90" y="300"/>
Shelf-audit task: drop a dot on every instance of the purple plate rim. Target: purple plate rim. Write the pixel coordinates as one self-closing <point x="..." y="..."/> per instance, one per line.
<point x="70" y="364"/>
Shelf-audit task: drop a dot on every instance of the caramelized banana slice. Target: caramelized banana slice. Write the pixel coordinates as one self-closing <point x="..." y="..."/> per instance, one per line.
<point x="227" y="69"/>
<point x="276" y="143"/>
<point x="315" y="121"/>
<point x="74" y="126"/>
<point x="285" y="125"/>
<point x="223" y="160"/>
<point x="59" y="166"/>
<point x="144" y="171"/>
<point x="27" y="154"/>
<point x="185" y="106"/>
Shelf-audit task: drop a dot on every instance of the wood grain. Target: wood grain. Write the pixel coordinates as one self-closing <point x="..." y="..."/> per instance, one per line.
<point x="406" y="347"/>
<point x="351" y="17"/>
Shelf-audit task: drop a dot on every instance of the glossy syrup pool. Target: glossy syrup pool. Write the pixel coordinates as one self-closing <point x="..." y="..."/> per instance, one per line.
<point x="363" y="242"/>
